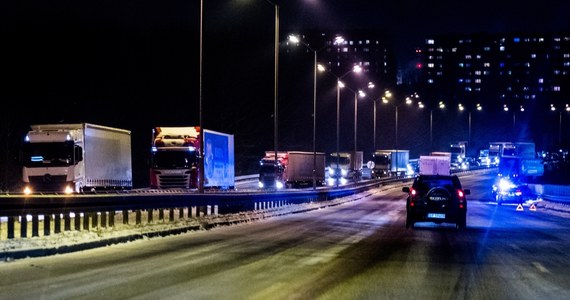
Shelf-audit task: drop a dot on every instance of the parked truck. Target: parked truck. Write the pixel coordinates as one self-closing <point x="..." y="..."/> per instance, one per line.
<point x="291" y="169"/>
<point x="520" y="160"/>
<point x="345" y="166"/>
<point x="174" y="158"/>
<point x="458" y="152"/>
<point x="219" y="160"/>
<point x="435" y="165"/>
<point x="75" y="158"/>
<point x="391" y="163"/>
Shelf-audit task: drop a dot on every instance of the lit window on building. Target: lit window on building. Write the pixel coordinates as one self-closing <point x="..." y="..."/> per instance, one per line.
<point x="556" y="88"/>
<point x="502" y="48"/>
<point x="430" y="41"/>
<point x="430" y="65"/>
<point x="533" y="55"/>
<point x="478" y="72"/>
<point x="487" y="65"/>
<point x="541" y="80"/>
<point x="468" y="56"/>
<point x="478" y="80"/>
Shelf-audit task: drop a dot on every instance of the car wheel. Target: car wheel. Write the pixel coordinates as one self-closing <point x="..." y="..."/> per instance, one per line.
<point x="409" y="222"/>
<point x="461" y="224"/>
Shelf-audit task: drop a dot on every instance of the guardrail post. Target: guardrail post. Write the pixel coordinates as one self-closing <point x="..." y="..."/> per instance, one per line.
<point x="47" y="224"/>
<point x="67" y="222"/>
<point x="94" y="220"/>
<point x="77" y="221"/>
<point x="112" y="218"/>
<point x="125" y="216"/>
<point x="86" y="221"/>
<point x="57" y="223"/>
<point x="11" y="221"/>
<point x="23" y="226"/>
<point x="35" y="225"/>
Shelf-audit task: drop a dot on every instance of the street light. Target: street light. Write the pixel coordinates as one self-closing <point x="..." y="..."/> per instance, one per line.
<point x="339" y="85"/>
<point x="521" y="109"/>
<point x="407" y="101"/>
<point x="441" y="105"/>
<point x="566" y="108"/>
<point x="478" y="107"/>
<point x="201" y="150"/>
<point x="386" y="96"/>
<point x="316" y="67"/>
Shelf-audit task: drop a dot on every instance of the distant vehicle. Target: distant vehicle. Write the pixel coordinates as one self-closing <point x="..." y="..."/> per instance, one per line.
<point x="76" y="158"/>
<point x="413" y="167"/>
<point x="435" y="165"/>
<point x="438" y="199"/>
<point x="291" y="169"/>
<point x="349" y="166"/>
<point x="391" y="163"/>
<point x="367" y="173"/>
<point x="509" y="190"/>
<point x="458" y="152"/>
<point x="484" y="159"/>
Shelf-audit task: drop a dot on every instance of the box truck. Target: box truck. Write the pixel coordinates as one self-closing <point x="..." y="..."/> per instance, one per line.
<point x="75" y="158"/>
<point x="391" y="163"/>
<point x="435" y="165"/>
<point x="291" y="169"/>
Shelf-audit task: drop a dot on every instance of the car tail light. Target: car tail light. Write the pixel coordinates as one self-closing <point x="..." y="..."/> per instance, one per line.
<point x="413" y="195"/>
<point x="461" y="199"/>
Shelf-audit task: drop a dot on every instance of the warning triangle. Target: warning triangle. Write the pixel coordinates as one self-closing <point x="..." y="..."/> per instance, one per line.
<point x="520" y="207"/>
<point x="533" y="207"/>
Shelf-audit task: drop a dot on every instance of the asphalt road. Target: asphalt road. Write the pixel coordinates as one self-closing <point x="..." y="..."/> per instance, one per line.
<point x="356" y="250"/>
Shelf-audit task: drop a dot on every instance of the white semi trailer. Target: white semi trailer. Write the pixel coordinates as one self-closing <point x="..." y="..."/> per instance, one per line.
<point x="75" y="158"/>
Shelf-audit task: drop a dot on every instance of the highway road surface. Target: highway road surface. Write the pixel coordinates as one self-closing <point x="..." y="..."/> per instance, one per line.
<point x="356" y="250"/>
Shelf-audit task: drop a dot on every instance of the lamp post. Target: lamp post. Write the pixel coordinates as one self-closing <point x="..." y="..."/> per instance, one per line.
<point x="387" y="95"/>
<point x="566" y="108"/>
<point x="339" y="85"/>
<point x="407" y="101"/>
<point x="316" y="67"/>
<point x="201" y="150"/>
<point x="521" y="109"/>
<point x="421" y="105"/>
<point x="478" y="107"/>
<point x="356" y="94"/>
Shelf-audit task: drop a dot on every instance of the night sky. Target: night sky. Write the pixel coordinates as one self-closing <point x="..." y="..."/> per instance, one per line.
<point x="135" y="64"/>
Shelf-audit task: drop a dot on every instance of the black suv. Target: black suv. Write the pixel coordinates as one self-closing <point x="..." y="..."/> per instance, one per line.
<point x="438" y="199"/>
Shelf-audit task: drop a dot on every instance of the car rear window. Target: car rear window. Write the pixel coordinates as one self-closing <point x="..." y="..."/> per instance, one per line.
<point x="424" y="184"/>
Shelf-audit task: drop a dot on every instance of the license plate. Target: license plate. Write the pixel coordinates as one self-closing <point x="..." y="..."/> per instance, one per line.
<point x="436" y="216"/>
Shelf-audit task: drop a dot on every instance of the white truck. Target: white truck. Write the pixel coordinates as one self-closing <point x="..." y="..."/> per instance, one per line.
<point x="435" y="165"/>
<point x="291" y="169"/>
<point x="344" y="166"/>
<point x="75" y="158"/>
